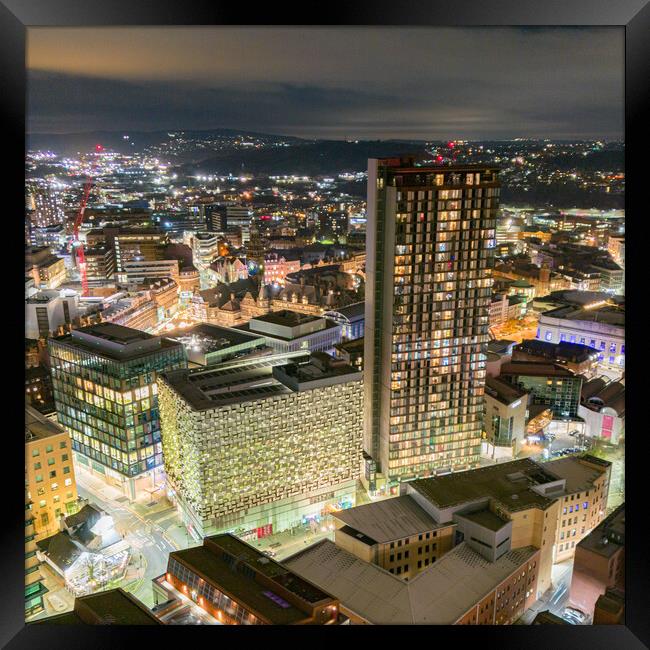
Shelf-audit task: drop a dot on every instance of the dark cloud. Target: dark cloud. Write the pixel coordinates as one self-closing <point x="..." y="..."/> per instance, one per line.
<point x="374" y="83"/>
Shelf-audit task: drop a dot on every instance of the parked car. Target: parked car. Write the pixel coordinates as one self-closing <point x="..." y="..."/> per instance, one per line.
<point x="569" y="619"/>
<point x="269" y="553"/>
<point x="575" y="613"/>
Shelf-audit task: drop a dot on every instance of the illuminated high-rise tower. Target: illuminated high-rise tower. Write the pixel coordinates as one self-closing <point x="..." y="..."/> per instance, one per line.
<point x="430" y="240"/>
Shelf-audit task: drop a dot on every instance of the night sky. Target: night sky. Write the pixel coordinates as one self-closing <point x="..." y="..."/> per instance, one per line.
<point x="365" y="83"/>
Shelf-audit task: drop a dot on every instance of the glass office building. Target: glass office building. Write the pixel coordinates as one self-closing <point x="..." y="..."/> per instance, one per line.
<point x="106" y="393"/>
<point x="430" y="245"/>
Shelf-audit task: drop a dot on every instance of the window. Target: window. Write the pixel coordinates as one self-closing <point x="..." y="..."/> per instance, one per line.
<point x="50" y="461"/>
<point x="66" y="470"/>
<point x="68" y="483"/>
<point x="49" y="448"/>
<point x="63" y="444"/>
<point x="37" y="466"/>
<point x="53" y="474"/>
<point x="35" y="453"/>
<point x="64" y="457"/>
<point x="548" y="336"/>
<point x="39" y="478"/>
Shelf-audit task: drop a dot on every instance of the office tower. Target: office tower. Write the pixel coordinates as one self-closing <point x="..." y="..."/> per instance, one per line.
<point x="106" y="394"/>
<point x="430" y="236"/>
<point x="261" y="445"/>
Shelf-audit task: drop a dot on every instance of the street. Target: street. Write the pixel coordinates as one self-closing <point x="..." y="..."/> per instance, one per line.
<point x="556" y="598"/>
<point x="152" y="528"/>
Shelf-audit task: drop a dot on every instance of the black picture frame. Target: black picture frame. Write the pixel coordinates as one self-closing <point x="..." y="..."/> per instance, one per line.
<point x="633" y="15"/>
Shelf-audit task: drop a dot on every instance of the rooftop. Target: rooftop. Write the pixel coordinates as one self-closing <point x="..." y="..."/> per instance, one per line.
<point x="389" y="519"/>
<point x="354" y="311"/>
<point x="210" y="338"/>
<point x="609" y="536"/>
<point x="535" y="369"/>
<point x="115" y="342"/>
<point x="439" y="595"/>
<point x="485" y="518"/>
<point x="38" y="427"/>
<point x="321" y="368"/>
<point x="509" y="483"/>
<point x="219" y="562"/>
<point x="230" y="383"/>
<point x="578" y="471"/>
<point x="612" y="315"/>
<point x="503" y="391"/>
<point x="111" y="607"/>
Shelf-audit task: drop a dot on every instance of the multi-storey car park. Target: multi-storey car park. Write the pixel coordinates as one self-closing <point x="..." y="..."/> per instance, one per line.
<point x="263" y="443"/>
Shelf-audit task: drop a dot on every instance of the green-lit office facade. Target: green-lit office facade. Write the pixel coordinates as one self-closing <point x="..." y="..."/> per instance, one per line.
<point x="110" y="407"/>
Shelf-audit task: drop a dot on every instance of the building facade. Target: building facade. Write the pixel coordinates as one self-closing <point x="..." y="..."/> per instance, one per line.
<point x="430" y="240"/>
<point x="230" y="582"/>
<point x="599" y="562"/>
<point x="49" y="472"/>
<point x="105" y="386"/>
<point x="261" y="444"/>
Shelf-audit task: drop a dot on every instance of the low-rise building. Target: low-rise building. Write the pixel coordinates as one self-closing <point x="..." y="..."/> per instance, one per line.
<point x="110" y="607"/>
<point x="87" y="552"/>
<point x="599" y="325"/>
<point x="602" y="407"/>
<point x="289" y="331"/>
<point x="209" y="345"/>
<point x="47" y="270"/>
<point x="462" y="588"/>
<point x="579" y="359"/>
<point x="395" y="534"/>
<point x="583" y="499"/>
<point x="599" y="563"/>
<point x="229" y="582"/>
<point x="549" y="384"/>
<point x="34" y="587"/>
<point x="351" y="318"/>
<point x="505" y="418"/>
<point x="49" y="310"/>
<point x="49" y="471"/>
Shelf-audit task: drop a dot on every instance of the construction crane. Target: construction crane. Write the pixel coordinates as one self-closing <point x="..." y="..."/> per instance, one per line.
<point x="80" y="256"/>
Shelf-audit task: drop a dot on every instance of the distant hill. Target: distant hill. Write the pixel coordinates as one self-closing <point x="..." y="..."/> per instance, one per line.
<point x="310" y="159"/>
<point x="71" y="143"/>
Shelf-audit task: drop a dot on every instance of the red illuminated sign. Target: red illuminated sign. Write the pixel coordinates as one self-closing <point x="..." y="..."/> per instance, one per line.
<point x="264" y="531"/>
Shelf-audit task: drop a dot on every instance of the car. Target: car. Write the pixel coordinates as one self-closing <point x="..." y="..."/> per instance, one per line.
<point x="575" y="613"/>
<point x="269" y="553"/>
<point x="569" y="619"/>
